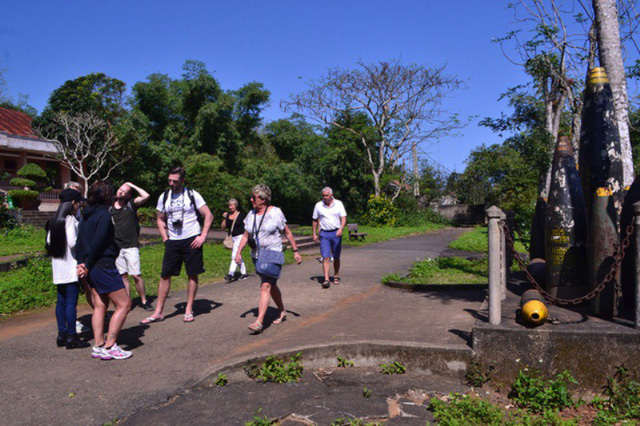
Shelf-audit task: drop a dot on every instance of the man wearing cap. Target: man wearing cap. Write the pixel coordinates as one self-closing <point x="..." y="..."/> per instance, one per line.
<point x="330" y="216"/>
<point x="124" y="213"/>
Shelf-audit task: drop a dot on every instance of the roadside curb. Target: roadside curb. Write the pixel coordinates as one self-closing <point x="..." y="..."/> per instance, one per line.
<point x="451" y="360"/>
<point x="433" y="287"/>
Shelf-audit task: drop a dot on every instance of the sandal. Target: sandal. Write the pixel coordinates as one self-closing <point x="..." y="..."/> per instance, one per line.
<point x="336" y="280"/>
<point x="256" y="327"/>
<point x="188" y="318"/>
<point x="151" y="320"/>
<point x="280" y="320"/>
<point x="326" y="284"/>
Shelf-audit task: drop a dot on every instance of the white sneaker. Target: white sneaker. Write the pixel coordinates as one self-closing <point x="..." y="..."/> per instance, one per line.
<point x="115" y="352"/>
<point x="81" y="328"/>
<point x="96" y="352"/>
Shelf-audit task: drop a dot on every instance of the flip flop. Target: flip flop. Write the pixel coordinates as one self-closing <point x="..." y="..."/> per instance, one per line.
<point x="326" y="284"/>
<point x="280" y="320"/>
<point x="336" y="280"/>
<point x="151" y="320"/>
<point x="188" y="318"/>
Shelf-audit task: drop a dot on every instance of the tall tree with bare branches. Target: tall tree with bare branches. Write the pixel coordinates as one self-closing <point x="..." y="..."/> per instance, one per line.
<point x="404" y="102"/>
<point x="86" y="143"/>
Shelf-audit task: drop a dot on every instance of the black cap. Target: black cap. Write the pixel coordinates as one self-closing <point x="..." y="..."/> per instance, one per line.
<point x="70" y="195"/>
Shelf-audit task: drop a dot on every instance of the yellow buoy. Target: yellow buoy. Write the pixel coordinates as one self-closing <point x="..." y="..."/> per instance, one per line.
<point x="533" y="310"/>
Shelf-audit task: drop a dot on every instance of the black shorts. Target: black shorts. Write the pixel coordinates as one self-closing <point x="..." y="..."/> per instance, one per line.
<point x="178" y="251"/>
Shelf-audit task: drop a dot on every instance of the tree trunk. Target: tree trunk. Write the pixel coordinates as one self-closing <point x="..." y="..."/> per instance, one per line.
<point x="610" y="55"/>
<point x="416" y="172"/>
<point x="376" y="184"/>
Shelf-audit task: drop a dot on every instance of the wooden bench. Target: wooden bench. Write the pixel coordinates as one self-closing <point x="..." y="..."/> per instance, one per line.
<point x="354" y="235"/>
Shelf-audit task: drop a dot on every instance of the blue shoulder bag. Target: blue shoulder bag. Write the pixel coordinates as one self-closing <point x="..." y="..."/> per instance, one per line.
<point x="269" y="262"/>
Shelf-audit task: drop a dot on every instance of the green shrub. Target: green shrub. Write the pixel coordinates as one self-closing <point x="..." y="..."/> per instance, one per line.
<point x="34" y="288"/>
<point x="222" y="380"/>
<point x="344" y="363"/>
<point x="380" y="212"/>
<point x="465" y="410"/>
<point x="33" y="171"/>
<point x="276" y="370"/>
<point x="538" y="394"/>
<point x="260" y="420"/>
<point x="23" y="194"/>
<point x="147" y="216"/>
<point x="394" y="368"/>
<point x="623" y="399"/>
<point x="28" y="183"/>
<point x="7" y="221"/>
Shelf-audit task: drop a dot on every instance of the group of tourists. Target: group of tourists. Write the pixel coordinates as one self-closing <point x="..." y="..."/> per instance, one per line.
<point x="94" y="243"/>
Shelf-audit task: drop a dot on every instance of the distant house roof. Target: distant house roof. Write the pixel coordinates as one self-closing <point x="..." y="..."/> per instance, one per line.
<point x="15" y="122"/>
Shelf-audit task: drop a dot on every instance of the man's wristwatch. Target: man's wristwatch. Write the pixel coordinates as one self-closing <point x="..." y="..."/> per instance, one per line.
<point x="295" y="250"/>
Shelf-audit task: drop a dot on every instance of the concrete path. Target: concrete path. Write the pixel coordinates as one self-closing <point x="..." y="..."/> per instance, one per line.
<point x="45" y="384"/>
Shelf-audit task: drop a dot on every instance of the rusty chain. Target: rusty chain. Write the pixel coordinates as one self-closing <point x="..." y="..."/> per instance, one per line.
<point x="618" y="254"/>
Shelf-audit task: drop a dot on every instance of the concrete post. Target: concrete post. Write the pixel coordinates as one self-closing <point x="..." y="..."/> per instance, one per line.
<point x="496" y="264"/>
<point x="636" y="224"/>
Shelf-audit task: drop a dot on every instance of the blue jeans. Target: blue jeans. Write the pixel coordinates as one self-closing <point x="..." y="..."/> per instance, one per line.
<point x="66" y="307"/>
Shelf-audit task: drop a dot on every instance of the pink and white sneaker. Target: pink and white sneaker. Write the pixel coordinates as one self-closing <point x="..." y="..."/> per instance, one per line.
<point x="115" y="352"/>
<point x="96" y="351"/>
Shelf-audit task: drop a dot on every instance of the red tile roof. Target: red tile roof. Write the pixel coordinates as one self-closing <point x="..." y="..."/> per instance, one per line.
<point x="15" y="122"/>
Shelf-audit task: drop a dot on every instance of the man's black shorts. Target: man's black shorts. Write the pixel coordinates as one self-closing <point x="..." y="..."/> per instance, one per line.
<point x="177" y="251"/>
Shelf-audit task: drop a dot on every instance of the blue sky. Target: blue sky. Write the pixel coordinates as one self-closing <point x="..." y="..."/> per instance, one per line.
<point x="276" y="42"/>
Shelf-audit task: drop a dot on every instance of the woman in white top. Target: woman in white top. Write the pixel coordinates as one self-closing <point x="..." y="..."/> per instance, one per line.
<point x="61" y="236"/>
<point x="265" y="223"/>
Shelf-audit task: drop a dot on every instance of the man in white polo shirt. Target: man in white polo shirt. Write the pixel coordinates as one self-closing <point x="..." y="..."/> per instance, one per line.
<point x="330" y="217"/>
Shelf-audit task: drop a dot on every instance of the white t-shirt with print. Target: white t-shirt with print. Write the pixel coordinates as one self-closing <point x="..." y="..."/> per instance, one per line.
<point x="178" y="207"/>
<point x="329" y="217"/>
<point x="270" y="236"/>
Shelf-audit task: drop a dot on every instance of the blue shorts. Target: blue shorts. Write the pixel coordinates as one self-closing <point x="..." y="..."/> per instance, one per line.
<point x="105" y="280"/>
<point x="330" y="244"/>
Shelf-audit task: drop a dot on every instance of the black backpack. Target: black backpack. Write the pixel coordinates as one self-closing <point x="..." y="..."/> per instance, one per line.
<point x="192" y="198"/>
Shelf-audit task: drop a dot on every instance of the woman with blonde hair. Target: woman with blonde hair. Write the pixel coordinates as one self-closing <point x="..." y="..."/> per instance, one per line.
<point x="264" y="226"/>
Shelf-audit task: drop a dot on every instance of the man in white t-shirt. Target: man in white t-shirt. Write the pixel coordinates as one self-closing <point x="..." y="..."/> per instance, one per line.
<point x="179" y="210"/>
<point x="330" y="217"/>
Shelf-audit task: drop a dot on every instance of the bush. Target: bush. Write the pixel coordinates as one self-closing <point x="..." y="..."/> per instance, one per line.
<point x="276" y="370"/>
<point x="28" y="183"/>
<point x="538" y="394"/>
<point x="6" y="220"/>
<point x="147" y="216"/>
<point x="465" y="410"/>
<point x="36" y="289"/>
<point x="33" y="171"/>
<point x="23" y="194"/>
<point x="380" y="212"/>
<point x="623" y="399"/>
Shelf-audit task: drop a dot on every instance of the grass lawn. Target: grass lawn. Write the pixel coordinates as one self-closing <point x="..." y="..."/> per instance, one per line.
<point x="21" y="240"/>
<point x="379" y="234"/>
<point x="31" y="286"/>
<point x="476" y="240"/>
<point x="444" y="270"/>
